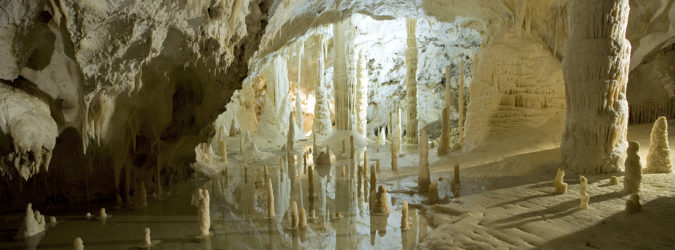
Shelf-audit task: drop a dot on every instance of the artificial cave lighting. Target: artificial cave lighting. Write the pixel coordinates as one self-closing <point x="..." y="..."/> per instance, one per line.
<point x="333" y="124"/>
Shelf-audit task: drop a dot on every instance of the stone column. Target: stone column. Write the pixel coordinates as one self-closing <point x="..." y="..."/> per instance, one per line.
<point x="411" y="81"/>
<point x="344" y="75"/>
<point x="596" y="72"/>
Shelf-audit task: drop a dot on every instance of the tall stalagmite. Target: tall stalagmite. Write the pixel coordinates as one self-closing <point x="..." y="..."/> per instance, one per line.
<point x="596" y="72"/>
<point x="344" y="77"/>
<point x="423" y="178"/>
<point x="322" y="123"/>
<point x="658" y="158"/>
<point x="411" y="81"/>
<point x="445" y="117"/>
<point x="460" y="101"/>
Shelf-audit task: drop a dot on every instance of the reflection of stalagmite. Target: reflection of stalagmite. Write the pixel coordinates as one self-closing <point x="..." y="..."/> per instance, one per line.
<point x="560" y="186"/>
<point x="595" y="67"/>
<point x="204" y="214"/>
<point x="423" y="178"/>
<point x="411" y="81"/>
<point x="633" y="171"/>
<point x="270" y="199"/>
<point x="78" y="244"/>
<point x="241" y="142"/>
<point x="658" y="158"/>
<point x="394" y="156"/>
<point x="633" y="204"/>
<point x="583" y="187"/>
<point x="404" y="216"/>
<point x="310" y="183"/>
<point x="432" y="193"/>
<point x="365" y="159"/>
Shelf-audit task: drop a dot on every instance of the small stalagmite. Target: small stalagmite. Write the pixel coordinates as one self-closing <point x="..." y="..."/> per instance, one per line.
<point x="394" y="156"/>
<point x="381" y="138"/>
<point x="233" y="130"/>
<point x="290" y="136"/>
<point x="351" y="143"/>
<point x="423" y="178"/>
<point x="377" y="165"/>
<point x="613" y="180"/>
<point x="302" y="223"/>
<point x="456" y="177"/>
<point x="633" y="169"/>
<point x="270" y="199"/>
<point x="102" y="214"/>
<point x="404" y="216"/>
<point x="223" y="149"/>
<point x="295" y="220"/>
<point x="432" y="193"/>
<point x="147" y="241"/>
<point x="633" y="204"/>
<point x="142" y="197"/>
<point x="31" y="224"/>
<point x="560" y="186"/>
<point x="344" y="147"/>
<point x="266" y="172"/>
<point x="78" y="244"/>
<point x="52" y="220"/>
<point x="203" y="212"/>
<point x="310" y="182"/>
<point x="344" y="170"/>
<point x="583" y="188"/>
<point x="382" y="201"/>
<point x="658" y="158"/>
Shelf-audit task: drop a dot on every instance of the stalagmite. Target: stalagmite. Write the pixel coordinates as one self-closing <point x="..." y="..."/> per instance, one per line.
<point x="302" y="223"/>
<point x="78" y="244"/>
<point x="633" y="171"/>
<point x="560" y="186"/>
<point x="423" y="178"/>
<point x="444" y="146"/>
<point x="344" y="171"/>
<point x="241" y="142"/>
<point x="595" y="69"/>
<point x="265" y="172"/>
<point x="373" y="178"/>
<point x="203" y="212"/>
<point x="295" y="220"/>
<point x="344" y="147"/>
<point x="222" y="144"/>
<point x="658" y="158"/>
<point x="102" y="214"/>
<point x="377" y="165"/>
<point x="460" y="101"/>
<point x="31" y="225"/>
<point x="614" y="180"/>
<point x="381" y="201"/>
<point x="411" y="81"/>
<point x="52" y="220"/>
<point x="583" y="187"/>
<point x="322" y="122"/>
<point x="233" y="130"/>
<point x="381" y="138"/>
<point x="365" y="159"/>
<point x="270" y="199"/>
<point x="432" y="193"/>
<point x="147" y="240"/>
<point x="633" y="204"/>
<point x="399" y="130"/>
<point x="298" y="107"/>
<point x="456" y="177"/>
<point x="404" y="216"/>
<point x="88" y="215"/>
<point x="310" y="182"/>
<point x="394" y="156"/>
<point x="290" y="136"/>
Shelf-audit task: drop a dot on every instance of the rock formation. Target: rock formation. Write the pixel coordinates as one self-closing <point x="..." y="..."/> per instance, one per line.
<point x="445" y="117"/>
<point x="344" y="77"/>
<point x="456" y="176"/>
<point x="222" y="147"/>
<point x="597" y="43"/>
<point x="295" y="219"/>
<point x="361" y="96"/>
<point x="411" y="81"/>
<point x="373" y="178"/>
<point x="394" y="155"/>
<point x="658" y="158"/>
<point x="404" y="216"/>
<point x="31" y="223"/>
<point x="270" y="199"/>
<point x="613" y="180"/>
<point x="322" y="122"/>
<point x="432" y="193"/>
<point x="302" y="223"/>
<point x="381" y="204"/>
<point x="233" y="128"/>
<point x="78" y="244"/>
<point x="560" y="186"/>
<point x="147" y="241"/>
<point x="460" y="102"/>
<point x="633" y="205"/>
<point x="102" y="214"/>
<point x="633" y="171"/>
<point x="423" y="178"/>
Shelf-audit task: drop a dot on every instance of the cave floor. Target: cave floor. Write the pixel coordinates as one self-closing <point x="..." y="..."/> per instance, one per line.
<point x="505" y="201"/>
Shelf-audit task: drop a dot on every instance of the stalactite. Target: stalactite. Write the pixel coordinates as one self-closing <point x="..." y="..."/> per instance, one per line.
<point x="596" y="68"/>
<point x="411" y="81"/>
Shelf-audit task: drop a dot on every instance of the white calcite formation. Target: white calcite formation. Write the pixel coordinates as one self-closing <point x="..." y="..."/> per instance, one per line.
<point x="411" y="81"/>
<point x="33" y="223"/>
<point x="558" y="183"/>
<point x="26" y="121"/>
<point x="290" y="136"/>
<point x="203" y="212"/>
<point x="344" y="77"/>
<point x="517" y="87"/>
<point x="78" y="244"/>
<point x="633" y="171"/>
<point x="381" y="138"/>
<point x="147" y="241"/>
<point x="322" y="125"/>
<point x="658" y="158"/>
<point x="424" y="177"/>
<point x="583" y="194"/>
<point x="361" y="96"/>
<point x="596" y="73"/>
<point x="102" y="214"/>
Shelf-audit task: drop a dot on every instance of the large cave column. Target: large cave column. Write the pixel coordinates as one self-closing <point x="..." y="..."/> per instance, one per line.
<point x="361" y="96"/>
<point x="596" y="72"/>
<point x="344" y="75"/>
<point x="411" y="81"/>
<point x="322" y="125"/>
